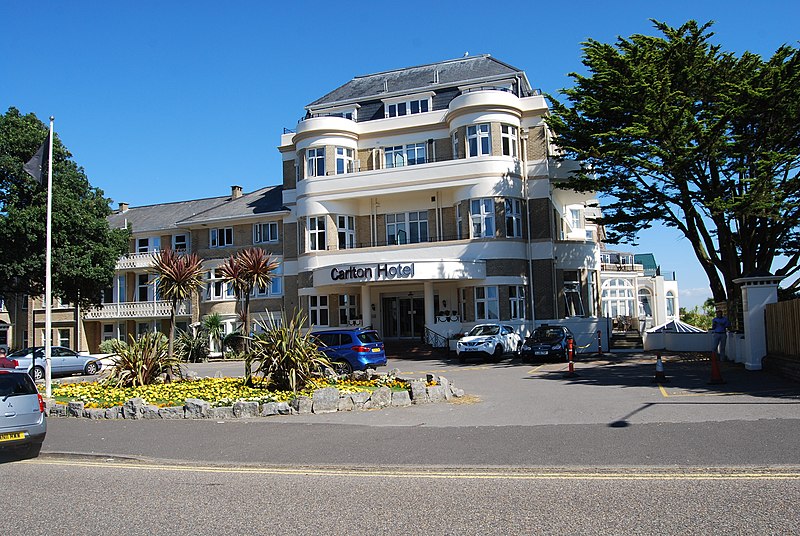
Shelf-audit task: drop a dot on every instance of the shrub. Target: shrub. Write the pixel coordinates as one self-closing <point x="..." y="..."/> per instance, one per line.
<point x="286" y="357"/>
<point x="192" y="348"/>
<point x="142" y="362"/>
<point x="107" y="347"/>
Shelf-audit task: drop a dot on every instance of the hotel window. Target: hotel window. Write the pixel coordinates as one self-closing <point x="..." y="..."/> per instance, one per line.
<point x="180" y="242"/>
<point x="407" y="228"/>
<point x="508" y="135"/>
<point x="108" y="332"/>
<point x="345" y="162"/>
<point x="63" y="337"/>
<point x="119" y="291"/>
<point x="220" y="238"/>
<point x="575" y="218"/>
<point x="318" y="310"/>
<point x="346" y="226"/>
<point x="572" y="294"/>
<point x="148" y="245"/>
<point x="516" y="299"/>
<point x="482" y="218"/>
<point x="144" y="290"/>
<point x="670" y="304"/>
<point x="275" y="287"/>
<point x="315" y="162"/>
<point x="415" y="153"/>
<point x="455" y="144"/>
<point x="107" y="296"/>
<point x="486" y="303"/>
<point x="459" y="231"/>
<point x="409" y="107"/>
<point x="265" y="232"/>
<point x="25" y="338"/>
<point x="316" y="233"/>
<point x="513" y="218"/>
<point x="348" y="309"/>
<point x="478" y="140"/>
<point x="216" y="288"/>
<point x="394" y="156"/>
<point x="408" y="155"/>
<point x="4" y="337"/>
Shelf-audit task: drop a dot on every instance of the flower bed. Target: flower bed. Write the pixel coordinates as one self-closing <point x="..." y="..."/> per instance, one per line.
<point x="231" y="398"/>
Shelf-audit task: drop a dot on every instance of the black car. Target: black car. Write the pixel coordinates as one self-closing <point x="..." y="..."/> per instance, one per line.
<point x="547" y="343"/>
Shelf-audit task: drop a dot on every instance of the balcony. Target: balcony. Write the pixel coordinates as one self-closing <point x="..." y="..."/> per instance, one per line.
<point x="134" y="310"/>
<point x="621" y="267"/>
<point x="134" y="261"/>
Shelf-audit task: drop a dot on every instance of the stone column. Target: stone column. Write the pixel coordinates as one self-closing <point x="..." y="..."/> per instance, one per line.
<point x="757" y="292"/>
<point x="430" y="314"/>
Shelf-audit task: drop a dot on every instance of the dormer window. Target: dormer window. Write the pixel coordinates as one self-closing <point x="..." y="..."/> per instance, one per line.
<point x="408" y="105"/>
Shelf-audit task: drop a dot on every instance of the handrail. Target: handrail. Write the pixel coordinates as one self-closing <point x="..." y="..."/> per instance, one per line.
<point x="435" y="340"/>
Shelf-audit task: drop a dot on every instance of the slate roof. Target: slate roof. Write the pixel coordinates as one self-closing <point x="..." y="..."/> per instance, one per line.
<point x="410" y="79"/>
<point x="181" y="214"/>
<point x="268" y="200"/>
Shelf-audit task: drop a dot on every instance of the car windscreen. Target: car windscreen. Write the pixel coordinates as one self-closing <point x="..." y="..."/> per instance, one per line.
<point x="547" y="335"/>
<point x="368" y="337"/>
<point x="20" y="353"/>
<point x="484" y="330"/>
<point x="16" y="384"/>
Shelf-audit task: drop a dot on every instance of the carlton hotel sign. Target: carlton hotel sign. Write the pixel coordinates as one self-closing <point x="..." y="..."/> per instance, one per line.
<point x="398" y="271"/>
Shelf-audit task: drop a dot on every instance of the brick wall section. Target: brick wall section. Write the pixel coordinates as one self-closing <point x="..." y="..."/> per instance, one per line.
<point x="543" y="289"/>
<point x="537" y="148"/>
<point x="506" y="268"/>
<point x="497" y="146"/>
<point x="449" y="223"/>
<point x="289" y="175"/>
<point x="365" y="157"/>
<point x="461" y="133"/>
<point x="443" y="149"/>
<point x="289" y="236"/>
<point x="539" y="212"/>
<point x="291" y="302"/>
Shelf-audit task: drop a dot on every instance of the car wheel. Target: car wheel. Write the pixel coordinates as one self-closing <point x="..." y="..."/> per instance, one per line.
<point x="498" y="353"/>
<point x="38" y="373"/>
<point x="90" y="369"/>
<point x="342" y="367"/>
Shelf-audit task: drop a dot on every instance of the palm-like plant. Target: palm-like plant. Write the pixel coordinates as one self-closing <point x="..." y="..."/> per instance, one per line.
<point x="212" y="325"/>
<point x="178" y="276"/>
<point x="141" y="362"/>
<point x="250" y="268"/>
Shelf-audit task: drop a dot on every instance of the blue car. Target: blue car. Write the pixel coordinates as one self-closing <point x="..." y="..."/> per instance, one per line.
<point x="350" y="349"/>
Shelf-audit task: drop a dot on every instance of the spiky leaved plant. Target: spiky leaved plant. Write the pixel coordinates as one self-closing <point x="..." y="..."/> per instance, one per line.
<point x="192" y="347"/>
<point x="286" y="356"/>
<point x="142" y="361"/>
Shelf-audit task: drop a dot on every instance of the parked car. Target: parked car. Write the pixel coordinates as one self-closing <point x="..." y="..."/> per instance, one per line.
<point x="22" y="420"/>
<point x="350" y="349"/>
<point x="488" y="341"/>
<point x="547" y="343"/>
<point x="63" y="361"/>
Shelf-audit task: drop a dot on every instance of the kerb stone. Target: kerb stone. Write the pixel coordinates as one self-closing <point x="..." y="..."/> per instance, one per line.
<point x="401" y="398"/>
<point x="325" y="400"/>
<point x="244" y="409"/>
<point x="194" y="408"/>
<point x="381" y="397"/>
<point x="419" y="395"/>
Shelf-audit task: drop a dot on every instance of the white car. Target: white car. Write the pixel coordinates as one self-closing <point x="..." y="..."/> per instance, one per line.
<point x="488" y="341"/>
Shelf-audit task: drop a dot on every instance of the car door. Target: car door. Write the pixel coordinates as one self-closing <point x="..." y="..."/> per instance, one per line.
<point x="57" y="364"/>
<point x="328" y="343"/>
<point x="71" y="361"/>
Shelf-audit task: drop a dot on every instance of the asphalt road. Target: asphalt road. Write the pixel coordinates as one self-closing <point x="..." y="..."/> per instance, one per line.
<point x="527" y="451"/>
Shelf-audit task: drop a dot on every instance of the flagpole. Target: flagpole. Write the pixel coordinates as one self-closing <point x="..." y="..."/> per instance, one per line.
<point x="48" y="289"/>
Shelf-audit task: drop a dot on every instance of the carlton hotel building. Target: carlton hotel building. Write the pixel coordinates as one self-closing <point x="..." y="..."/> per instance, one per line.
<point x="419" y="201"/>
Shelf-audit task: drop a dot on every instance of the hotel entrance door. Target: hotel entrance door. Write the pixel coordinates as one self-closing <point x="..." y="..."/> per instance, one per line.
<point x="403" y="317"/>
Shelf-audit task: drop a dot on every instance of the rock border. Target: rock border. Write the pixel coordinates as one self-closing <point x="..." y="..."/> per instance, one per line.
<point x="325" y="400"/>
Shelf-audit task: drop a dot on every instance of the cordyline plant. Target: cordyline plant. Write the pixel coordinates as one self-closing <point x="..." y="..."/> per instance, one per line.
<point x="178" y="276"/>
<point x="142" y="361"/>
<point x="286" y="356"/>
<point x="251" y="268"/>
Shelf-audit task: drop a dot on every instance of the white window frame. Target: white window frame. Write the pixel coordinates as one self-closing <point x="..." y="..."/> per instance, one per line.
<point x="221" y="237"/>
<point x="348" y="308"/>
<point x="345" y="160"/>
<point x="147" y="286"/>
<point x="516" y="301"/>
<point x="459" y="222"/>
<point x="479" y="140"/>
<point x="413" y="225"/>
<point x="670" y="302"/>
<point x="513" y="218"/>
<point x="394" y="156"/>
<point x="265" y="232"/>
<point x="315" y="162"/>
<point x="416" y="153"/>
<point x="487" y="304"/>
<point x="346" y="230"/>
<point x="63" y="337"/>
<point x="318" y="314"/>
<point x="216" y="288"/>
<point x="508" y="140"/>
<point x="148" y="244"/>
<point x="180" y="245"/>
<point x="275" y="288"/>
<point x="317" y="239"/>
<point x="482" y="216"/>
<point x="412" y="106"/>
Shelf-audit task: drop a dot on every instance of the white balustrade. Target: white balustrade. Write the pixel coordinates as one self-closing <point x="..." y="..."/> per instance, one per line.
<point x="151" y="309"/>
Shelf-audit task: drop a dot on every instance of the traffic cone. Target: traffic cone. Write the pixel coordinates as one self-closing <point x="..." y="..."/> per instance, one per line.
<point x="716" y="376"/>
<point x="660" y="377"/>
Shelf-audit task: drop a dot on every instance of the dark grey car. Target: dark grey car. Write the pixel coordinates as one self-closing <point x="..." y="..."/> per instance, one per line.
<point x="22" y="420"/>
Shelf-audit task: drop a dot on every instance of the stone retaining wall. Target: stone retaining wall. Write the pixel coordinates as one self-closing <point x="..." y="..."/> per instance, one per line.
<point x="326" y="400"/>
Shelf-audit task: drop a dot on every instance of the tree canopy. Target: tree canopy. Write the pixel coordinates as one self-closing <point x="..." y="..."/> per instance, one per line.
<point x="85" y="249"/>
<point x="673" y="129"/>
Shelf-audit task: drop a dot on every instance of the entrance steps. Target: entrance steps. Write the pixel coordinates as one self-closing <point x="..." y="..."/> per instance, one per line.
<point x="629" y="340"/>
<point x="410" y="349"/>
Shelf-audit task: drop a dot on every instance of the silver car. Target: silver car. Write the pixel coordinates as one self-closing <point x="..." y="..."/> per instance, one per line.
<point x="63" y="362"/>
<point x="22" y="421"/>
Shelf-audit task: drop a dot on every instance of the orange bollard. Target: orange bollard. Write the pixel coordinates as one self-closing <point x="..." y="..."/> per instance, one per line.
<point x="716" y="375"/>
<point x="571" y="356"/>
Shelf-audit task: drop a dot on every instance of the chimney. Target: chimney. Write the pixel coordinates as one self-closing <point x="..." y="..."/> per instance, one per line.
<point x="123" y="207"/>
<point x="236" y="192"/>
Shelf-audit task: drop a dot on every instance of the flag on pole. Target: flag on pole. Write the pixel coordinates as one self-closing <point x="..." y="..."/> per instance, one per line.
<point x="36" y="167"/>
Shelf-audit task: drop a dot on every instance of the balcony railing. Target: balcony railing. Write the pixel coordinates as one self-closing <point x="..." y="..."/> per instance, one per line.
<point x="618" y="267"/>
<point x="151" y="309"/>
<point x="133" y="261"/>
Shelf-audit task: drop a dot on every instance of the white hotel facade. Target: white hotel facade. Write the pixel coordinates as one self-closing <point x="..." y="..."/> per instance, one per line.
<point x="426" y="199"/>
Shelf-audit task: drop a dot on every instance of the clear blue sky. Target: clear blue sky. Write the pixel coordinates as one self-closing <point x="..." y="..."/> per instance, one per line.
<point x="171" y="100"/>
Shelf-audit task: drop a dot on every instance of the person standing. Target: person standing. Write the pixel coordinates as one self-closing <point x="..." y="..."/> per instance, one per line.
<point x="720" y="326"/>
